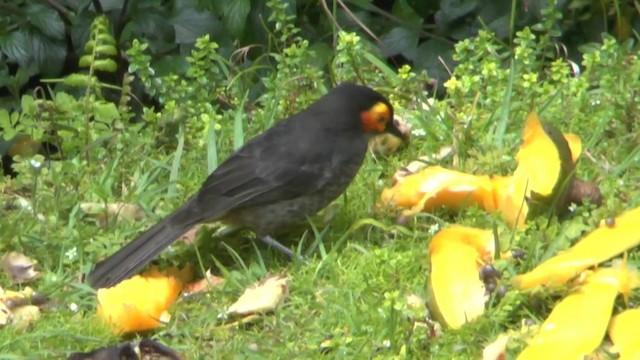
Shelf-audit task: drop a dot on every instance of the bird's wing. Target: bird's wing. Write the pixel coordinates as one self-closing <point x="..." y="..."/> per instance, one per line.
<point x="269" y="169"/>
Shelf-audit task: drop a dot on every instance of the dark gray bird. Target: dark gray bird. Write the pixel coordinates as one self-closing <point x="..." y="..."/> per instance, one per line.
<point x="289" y="172"/>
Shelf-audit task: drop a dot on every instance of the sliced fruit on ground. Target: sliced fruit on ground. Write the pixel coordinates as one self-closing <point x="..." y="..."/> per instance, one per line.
<point x="457" y="295"/>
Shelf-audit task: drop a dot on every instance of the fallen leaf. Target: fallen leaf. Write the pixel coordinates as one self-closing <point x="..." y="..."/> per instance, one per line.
<point x="604" y="243"/>
<point x="209" y="282"/>
<point x="190" y="236"/>
<point x="497" y="350"/>
<point x="457" y="292"/>
<point x="19" y="267"/>
<point x="264" y="296"/>
<point x="105" y="212"/>
<point x="578" y="323"/>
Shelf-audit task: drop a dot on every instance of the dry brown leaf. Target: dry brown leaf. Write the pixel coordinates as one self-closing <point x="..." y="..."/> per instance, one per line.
<point x="497" y="350"/>
<point x="209" y="282"/>
<point x="19" y="267"/>
<point x="104" y="213"/>
<point x="264" y="296"/>
<point x="190" y="236"/>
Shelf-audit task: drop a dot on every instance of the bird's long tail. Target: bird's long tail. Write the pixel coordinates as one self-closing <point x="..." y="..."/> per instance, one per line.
<point x="133" y="256"/>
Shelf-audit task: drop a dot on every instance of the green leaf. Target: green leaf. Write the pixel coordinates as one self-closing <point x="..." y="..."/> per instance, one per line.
<point x="48" y="54"/>
<point x="189" y="24"/>
<point x="5" y="120"/>
<point x="400" y="41"/>
<point x="235" y="16"/>
<point x="77" y="80"/>
<point x="365" y="4"/>
<point x="107" y="65"/>
<point x="28" y="104"/>
<point x="46" y="19"/>
<point x="85" y="61"/>
<point x="105" y="112"/>
<point x="430" y="57"/>
<point x="454" y="10"/>
<point x="106" y="50"/>
<point x="16" y="47"/>
<point x="410" y="19"/>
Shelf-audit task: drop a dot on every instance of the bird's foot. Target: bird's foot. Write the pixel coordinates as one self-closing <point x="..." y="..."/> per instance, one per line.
<point x="268" y="240"/>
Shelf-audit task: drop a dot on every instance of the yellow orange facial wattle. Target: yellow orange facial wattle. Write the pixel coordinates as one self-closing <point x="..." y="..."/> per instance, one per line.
<point x="376" y="118"/>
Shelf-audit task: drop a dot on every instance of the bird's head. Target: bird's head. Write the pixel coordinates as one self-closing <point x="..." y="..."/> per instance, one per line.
<point x="378" y="119"/>
<point x="374" y="111"/>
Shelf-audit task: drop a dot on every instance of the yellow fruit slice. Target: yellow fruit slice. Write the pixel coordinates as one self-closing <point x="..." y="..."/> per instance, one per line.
<point x="457" y="293"/>
<point x="604" y="243"/>
<point x="576" y="326"/>
<point x="623" y="331"/>
<point x="434" y="186"/>
<point x="141" y="302"/>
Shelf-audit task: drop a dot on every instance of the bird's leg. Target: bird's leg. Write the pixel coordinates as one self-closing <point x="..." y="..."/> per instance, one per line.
<point x="276" y="245"/>
<point x="268" y="240"/>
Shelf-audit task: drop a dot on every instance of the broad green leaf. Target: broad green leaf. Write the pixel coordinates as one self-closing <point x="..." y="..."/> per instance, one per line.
<point x="105" y="112"/>
<point x="189" y="24"/>
<point x="410" y="19"/>
<point x="400" y="41"/>
<point x="46" y="19"/>
<point x="27" y="104"/>
<point x="429" y="56"/>
<point x="235" y="15"/>
<point x="48" y="54"/>
<point x="365" y="4"/>
<point x="16" y="47"/>
<point x="5" y="123"/>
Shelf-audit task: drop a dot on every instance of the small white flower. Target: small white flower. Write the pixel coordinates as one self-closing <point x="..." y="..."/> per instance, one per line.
<point x="418" y="132"/>
<point x="35" y="164"/>
<point x="73" y="307"/>
<point x="71" y="253"/>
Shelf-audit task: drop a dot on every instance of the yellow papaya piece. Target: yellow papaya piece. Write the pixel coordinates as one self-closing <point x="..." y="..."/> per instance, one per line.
<point x="575" y="145"/>
<point x="610" y="239"/>
<point x="457" y="295"/>
<point x="434" y="186"/>
<point x="141" y="302"/>
<point x="623" y="331"/>
<point x="545" y="166"/>
<point x="576" y="326"/>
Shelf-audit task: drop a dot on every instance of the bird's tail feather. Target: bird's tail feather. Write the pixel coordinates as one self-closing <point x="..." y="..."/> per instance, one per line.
<point x="133" y="256"/>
